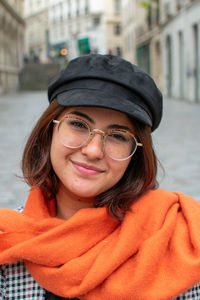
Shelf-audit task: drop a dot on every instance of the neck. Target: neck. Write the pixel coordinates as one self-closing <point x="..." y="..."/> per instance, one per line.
<point x="68" y="204"/>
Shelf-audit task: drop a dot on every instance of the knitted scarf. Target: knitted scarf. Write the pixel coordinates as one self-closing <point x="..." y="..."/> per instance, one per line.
<point x="154" y="253"/>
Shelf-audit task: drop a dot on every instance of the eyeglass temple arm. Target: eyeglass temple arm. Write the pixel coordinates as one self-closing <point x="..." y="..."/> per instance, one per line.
<point x="139" y="144"/>
<point x="56" y="121"/>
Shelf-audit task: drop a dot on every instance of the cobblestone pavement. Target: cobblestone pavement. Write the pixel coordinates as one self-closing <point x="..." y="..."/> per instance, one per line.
<point x="177" y="144"/>
<point x="18" y="114"/>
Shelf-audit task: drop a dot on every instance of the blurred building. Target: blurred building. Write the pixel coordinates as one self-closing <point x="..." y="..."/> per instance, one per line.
<point x="128" y="23"/>
<point x="180" y="48"/>
<point x="163" y="38"/>
<point x="141" y="35"/>
<point x="113" y="30"/>
<point x="12" y="28"/>
<point x="76" y="27"/>
<point x="57" y="28"/>
<point x="36" y="37"/>
<point x="84" y="26"/>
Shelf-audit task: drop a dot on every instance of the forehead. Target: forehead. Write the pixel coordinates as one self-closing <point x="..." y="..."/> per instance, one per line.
<point x="98" y="114"/>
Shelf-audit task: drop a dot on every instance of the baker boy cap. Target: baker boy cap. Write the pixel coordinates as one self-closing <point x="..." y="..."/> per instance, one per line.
<point x="108" y="81"/>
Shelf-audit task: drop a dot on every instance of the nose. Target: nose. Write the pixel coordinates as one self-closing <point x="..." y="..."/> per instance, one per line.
<point x="94" y="148"/>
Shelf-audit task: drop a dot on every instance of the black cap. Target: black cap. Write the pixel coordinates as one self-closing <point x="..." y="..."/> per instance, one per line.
<point x="108" y="81"/>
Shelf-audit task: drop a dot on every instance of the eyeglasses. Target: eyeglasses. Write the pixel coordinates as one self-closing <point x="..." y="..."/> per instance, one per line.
<point x="75" y="133"/>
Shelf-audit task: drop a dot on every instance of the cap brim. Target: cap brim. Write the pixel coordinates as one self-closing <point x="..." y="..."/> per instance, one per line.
<point x="98" y="98"/>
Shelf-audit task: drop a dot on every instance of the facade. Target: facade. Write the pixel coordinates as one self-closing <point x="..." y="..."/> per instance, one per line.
<point x="163" y="38"/>
<point x="113" y="30"/>
<point x="84" y="26"/>
<point x="147" y="37"/>
<point x="141" y="35"/>
<point x="181" y="49"/>
<point x="128" y="22"/>
<point x="75" y="26"/>
<point x="69" y="28"/>
<point x="12" y="29"/>
<point x="36" y="38"/>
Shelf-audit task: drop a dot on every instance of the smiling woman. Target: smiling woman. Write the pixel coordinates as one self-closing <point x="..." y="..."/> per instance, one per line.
<point x="91" y="154"/>
<point x="95" y="224"/>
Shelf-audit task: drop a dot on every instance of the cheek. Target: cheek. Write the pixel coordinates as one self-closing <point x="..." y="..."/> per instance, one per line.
<point x="118" y="169"/>
<point x="57" y="152"/>
<point x="54" y="149"/>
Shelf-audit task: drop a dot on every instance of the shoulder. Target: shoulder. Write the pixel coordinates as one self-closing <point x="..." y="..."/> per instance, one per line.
<point x="165" y="193"/>
<point x="191" y="294"/>
<point x="17" y="283"/>
<point x="162" y="196"/>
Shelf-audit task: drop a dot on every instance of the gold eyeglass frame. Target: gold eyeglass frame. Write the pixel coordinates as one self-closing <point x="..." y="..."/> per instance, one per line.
<point x="98" y="131"/>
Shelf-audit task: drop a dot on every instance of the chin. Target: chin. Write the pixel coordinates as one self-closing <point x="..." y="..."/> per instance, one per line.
<point x="85" y="194"/>
<point x="84" y="189"/>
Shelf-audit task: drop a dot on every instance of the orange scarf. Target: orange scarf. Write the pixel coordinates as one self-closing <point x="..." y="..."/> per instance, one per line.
<point x="153" y="254"/>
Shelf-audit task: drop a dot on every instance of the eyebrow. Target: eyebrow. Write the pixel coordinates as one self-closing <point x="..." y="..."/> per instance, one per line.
<point x="111" y="126"/>
<point x="80" y="114"/>
<point x="117" y="126"/>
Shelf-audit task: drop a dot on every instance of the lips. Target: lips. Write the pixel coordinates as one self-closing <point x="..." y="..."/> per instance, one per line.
<point x="87" y="169"/>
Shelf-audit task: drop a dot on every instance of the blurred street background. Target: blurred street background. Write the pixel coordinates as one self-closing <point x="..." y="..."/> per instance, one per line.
<point x="39" y="37"/>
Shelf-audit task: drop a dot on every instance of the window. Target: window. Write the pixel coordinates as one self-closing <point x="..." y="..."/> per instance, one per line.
<point x="168" y="10"/>
<point x="96" y="21"/>
<point x="69" y="9"/>
<point x="86" y="6"/>
<point x="118" y="51"/>
<point x="178" y="4"/>
<point x="117" y="29"/>
<point x="117" y="6"/>
<point x="61" y="11"/>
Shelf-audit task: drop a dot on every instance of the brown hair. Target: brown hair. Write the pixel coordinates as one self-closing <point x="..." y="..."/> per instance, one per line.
<point x="139" y="177"/>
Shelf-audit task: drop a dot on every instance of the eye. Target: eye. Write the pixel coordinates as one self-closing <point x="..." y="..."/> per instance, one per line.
<point x="118" y="137"/>
<point x="75" y="124"/>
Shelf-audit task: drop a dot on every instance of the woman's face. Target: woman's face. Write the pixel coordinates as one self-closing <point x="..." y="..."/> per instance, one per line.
<point x="87" y="172"/>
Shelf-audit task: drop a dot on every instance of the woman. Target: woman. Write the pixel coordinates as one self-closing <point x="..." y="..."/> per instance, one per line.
<point x="95" y="226"/>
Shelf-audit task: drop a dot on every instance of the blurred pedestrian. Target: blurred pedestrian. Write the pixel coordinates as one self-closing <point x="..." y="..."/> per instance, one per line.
<point x="95" y="225"/>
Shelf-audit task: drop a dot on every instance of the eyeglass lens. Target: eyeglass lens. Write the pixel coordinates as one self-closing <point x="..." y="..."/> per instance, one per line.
<point x="75" y="133"/>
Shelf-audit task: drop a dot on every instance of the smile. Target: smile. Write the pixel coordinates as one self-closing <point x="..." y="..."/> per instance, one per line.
<point x="86" y="169"/>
